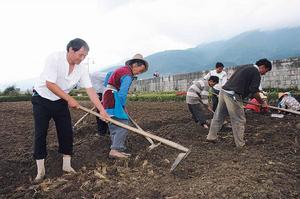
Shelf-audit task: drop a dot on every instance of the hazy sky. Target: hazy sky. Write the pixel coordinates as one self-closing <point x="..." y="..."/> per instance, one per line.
<point x="117" y="29"/>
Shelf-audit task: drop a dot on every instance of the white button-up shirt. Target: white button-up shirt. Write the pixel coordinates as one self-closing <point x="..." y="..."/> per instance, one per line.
<point x="222" y="78"/>
<point x="56" y="70"/>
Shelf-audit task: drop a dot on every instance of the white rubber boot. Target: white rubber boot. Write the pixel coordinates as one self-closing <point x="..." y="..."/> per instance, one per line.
<point x="40" y="170"/>
<point x="67" y="164"/>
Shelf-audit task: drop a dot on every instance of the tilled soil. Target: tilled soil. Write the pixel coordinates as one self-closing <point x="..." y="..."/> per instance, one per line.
<point x="265" y="168"/>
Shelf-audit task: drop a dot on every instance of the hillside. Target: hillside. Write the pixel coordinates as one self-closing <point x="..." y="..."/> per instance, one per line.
<point x="241" y="49"/>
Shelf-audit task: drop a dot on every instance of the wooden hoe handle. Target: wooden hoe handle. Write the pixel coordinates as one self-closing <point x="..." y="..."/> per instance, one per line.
<point x="140" y="131"/>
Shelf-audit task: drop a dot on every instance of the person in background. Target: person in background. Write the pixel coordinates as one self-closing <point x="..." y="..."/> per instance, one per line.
<point x="287" y="101"/>
<point x="222" y="75"/>
<point x="244" y="81"/>
<point x="62" y="71"/>
<point x="98" y="82"/>
<point x="155" y="74"/>
<point x="197" y="98"/>
<point x="114" y="101"/>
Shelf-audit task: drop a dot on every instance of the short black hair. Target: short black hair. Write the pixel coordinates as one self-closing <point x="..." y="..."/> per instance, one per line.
<point x="219" y="64"/>
<point x="76" y="44"/>
<point x="264" y="62"/>
<point x="214" y="79"/>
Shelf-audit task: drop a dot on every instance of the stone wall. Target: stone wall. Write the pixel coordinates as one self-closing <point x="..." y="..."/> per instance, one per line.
<point x="284" y="74"/>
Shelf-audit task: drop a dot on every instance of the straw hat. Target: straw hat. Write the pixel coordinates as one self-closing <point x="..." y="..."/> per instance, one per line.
<point x="138" y="57"/>
<point x="282" y="94"/>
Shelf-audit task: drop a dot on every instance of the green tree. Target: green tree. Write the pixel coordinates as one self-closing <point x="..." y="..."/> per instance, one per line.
<point x="11" y="91"/>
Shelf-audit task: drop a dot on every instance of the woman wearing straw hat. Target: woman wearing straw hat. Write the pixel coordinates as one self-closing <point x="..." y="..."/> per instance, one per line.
<point x="114" y="101"/>
<point x="288" y="102"/>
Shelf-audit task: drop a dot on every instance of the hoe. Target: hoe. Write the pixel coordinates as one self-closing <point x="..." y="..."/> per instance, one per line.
<point x="274" y="107"/>
<point x="140" y="131"/>
<point x="84" y="116"/>
<point x="152" y="144"/>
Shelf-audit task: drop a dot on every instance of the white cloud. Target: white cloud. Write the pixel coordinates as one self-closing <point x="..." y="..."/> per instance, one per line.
<point x="117" y="29"/>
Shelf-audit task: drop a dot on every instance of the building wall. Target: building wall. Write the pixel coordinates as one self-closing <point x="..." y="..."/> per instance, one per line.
<point x="284" y="74"/>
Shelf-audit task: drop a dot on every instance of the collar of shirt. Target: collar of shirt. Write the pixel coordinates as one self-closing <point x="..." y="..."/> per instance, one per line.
<point x="257" y="68"/>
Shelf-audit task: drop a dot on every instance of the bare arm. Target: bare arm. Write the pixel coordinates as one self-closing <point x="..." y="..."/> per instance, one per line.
<point x="94" y="98"/>
<point x="54" y="88"/>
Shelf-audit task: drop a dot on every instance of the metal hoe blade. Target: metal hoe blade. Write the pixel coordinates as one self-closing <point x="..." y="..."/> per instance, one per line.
<point x="179" y="158"/>
<point x="153" y="145"/>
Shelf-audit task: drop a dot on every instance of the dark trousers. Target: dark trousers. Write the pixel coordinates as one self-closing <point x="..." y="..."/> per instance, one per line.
<point x="43" y="111"/>
<point x="102" y="126"/>
<point x="197" y="113"/>
<point x="215" y="99"/>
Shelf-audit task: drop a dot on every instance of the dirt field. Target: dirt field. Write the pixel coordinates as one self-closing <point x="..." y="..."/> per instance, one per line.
<point x="266" y="168"/>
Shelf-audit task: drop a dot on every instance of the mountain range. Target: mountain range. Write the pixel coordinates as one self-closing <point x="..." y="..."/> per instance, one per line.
<point x="244" y="48"/>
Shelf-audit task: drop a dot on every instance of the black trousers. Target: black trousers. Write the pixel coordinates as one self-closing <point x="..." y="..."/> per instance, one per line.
<point x="215" y="99"/>
<point x="43" y="111"/>
<point x="197" y="113"/>
<point x="102" y="126"/>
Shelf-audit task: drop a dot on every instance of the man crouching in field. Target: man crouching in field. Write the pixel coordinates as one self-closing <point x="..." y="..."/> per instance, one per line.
<point x="197" y="96"/>
<point x="62" y="72"/>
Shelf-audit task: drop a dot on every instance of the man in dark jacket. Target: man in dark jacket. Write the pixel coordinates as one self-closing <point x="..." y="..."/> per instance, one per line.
<point x="245" y="81"/>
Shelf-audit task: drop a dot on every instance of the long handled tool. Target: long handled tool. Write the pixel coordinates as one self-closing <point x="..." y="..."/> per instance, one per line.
<point x="84" y="116"/>
<point x="180" y="156"/>
<point x="153" y="145"/>
<point x="272" y="107"/>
